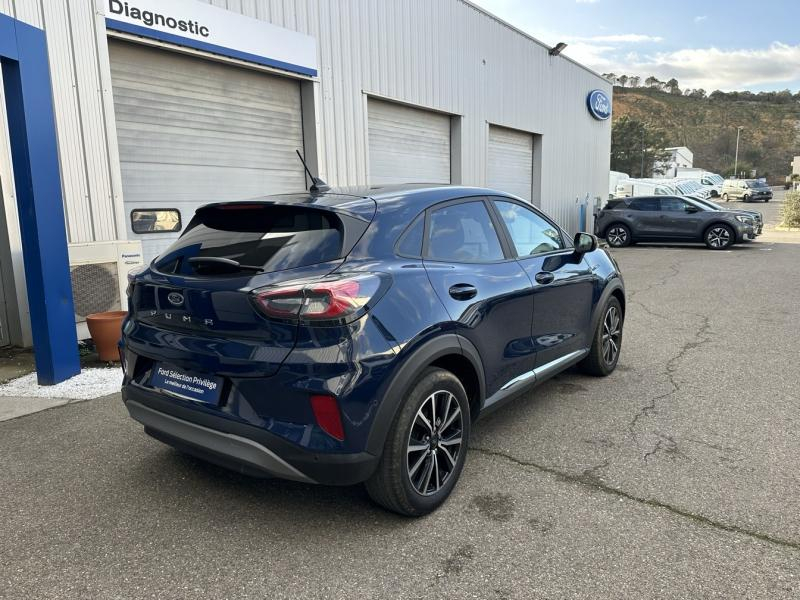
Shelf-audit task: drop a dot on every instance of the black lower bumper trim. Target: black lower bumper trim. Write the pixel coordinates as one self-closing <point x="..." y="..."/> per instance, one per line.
<point x="241" y="447"/>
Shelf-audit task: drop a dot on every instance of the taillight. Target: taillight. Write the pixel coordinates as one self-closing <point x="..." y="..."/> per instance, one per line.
<point x="326" y="412"/>
<point x="336" y="298"/>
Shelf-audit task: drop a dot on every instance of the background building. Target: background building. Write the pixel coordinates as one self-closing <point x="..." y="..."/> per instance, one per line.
<point x="680" y="158"/>
<point x="169" y="104"/>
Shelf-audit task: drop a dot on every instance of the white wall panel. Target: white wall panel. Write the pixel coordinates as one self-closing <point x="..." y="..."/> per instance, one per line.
<point x="450" y="56"/>
<point x="87" y="171"/>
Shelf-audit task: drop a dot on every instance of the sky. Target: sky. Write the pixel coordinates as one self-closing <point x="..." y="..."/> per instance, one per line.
<point x="725" y="45"/>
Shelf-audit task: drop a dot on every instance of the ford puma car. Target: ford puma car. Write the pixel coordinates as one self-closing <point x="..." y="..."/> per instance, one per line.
<point x="356" y="336"/>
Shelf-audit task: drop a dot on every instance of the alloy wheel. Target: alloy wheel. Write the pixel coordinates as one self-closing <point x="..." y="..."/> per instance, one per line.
<point x="612" y="335"/>
<point x="617" y="236"/>
<point x="434" y="442"/>
<point x="719" y="237"/>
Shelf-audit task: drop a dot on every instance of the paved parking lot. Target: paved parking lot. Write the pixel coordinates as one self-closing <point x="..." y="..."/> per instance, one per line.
<point x="675" y="477"/>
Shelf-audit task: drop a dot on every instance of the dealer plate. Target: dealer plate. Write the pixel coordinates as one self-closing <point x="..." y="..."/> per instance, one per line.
<point x="192" y="386"/>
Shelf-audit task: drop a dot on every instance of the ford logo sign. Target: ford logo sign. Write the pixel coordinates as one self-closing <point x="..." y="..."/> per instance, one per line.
<point x="599" y="105"/>
<point x="175" y="299"/>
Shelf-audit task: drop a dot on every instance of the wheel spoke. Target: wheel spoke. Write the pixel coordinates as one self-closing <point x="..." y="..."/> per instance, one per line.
<point x="427" y="476"/>
<point x="417" y="448"/>
<point x="436" y="468"/>
<point x="448" y="455"/>
<point x="452" y="418"/>
<point x="451" y="441"/>
<point x="413" y="470"/>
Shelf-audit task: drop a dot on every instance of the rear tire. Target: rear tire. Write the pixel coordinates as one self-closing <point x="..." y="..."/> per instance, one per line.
<point x="426" y="447"/>
<point x="726" y="197"/>
<point x="719" y="237"/>
<point x="618" y="235"/>
<point x="745" y="198"/>
<point x="607" y="342"/>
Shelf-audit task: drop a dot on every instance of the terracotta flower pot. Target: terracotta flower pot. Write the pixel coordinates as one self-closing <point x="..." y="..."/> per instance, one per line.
<point x="106" y="331"/>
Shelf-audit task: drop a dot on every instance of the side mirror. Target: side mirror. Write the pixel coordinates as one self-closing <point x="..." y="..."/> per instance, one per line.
<point x="585" y="243"/>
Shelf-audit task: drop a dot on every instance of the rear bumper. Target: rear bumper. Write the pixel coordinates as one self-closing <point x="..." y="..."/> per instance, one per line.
<point x="239" y="446"/>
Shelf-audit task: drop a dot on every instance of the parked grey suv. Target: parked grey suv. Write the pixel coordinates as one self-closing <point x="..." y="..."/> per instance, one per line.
<point x="746" y="190"/>
<point x="624" y="221"/>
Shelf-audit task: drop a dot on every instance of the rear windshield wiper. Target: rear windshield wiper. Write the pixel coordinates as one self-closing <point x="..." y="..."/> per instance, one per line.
<point x="223" y="265"/>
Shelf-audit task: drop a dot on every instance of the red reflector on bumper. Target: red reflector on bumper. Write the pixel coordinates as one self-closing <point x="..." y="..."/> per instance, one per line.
<point x="326" y="412"/>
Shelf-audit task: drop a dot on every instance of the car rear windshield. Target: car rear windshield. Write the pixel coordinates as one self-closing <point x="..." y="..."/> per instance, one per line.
<point x="259" y="238"/>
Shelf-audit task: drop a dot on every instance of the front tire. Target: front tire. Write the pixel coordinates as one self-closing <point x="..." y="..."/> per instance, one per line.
<point x="745" y="198"/>
<point x="719" y="237"/>
<point x="426" y="447"/>
<point x="726" y="197"/>
<point x="607" y="342"/>
<point x="618" y="235"/>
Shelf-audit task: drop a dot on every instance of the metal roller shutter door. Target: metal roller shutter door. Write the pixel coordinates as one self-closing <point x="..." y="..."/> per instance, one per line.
<point x="407" y="145"/>
<point x="510" y="164"/>
<point x="193" y="131"/>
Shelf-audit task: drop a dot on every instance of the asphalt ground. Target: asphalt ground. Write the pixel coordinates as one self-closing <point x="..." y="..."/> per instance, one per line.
<point x="675" y="477"/>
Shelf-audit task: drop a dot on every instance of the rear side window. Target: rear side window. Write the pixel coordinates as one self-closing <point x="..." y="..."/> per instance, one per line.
<point x="463" y="233"/>
<point x="645" y="204"/>
<point x="259" y="237"/>
<point x="410" y="243"/>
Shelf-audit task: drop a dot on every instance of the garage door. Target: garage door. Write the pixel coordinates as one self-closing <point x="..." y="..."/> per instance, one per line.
<point x="510" y="162"/>
<point x="407" y="145"/>
<point x="193" y="131"/>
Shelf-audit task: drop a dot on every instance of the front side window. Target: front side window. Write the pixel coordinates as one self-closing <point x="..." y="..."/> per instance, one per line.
<point x="463" y="233"/>
<point x="530" y="233"/>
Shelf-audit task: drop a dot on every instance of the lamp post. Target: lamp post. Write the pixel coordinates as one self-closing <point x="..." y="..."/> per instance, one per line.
<point x="736" y="160"/>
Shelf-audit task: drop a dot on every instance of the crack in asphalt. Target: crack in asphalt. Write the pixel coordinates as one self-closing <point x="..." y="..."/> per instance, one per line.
<point x="592" y="481"/>
<point x="665" y="442"/>
<point x="674" y="267"/>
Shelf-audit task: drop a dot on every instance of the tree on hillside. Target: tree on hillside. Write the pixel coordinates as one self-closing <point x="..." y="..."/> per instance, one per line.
<point x="611" y="77"/>
<point x="623" y="79"/>
<point x="672" y="86"/>
<point x="634" y="80"/>
<point x="652" y="82"/>
<point x="636" y="147"/>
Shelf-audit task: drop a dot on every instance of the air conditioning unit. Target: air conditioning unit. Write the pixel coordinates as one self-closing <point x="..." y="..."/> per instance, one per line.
<point x="99" y="274"/>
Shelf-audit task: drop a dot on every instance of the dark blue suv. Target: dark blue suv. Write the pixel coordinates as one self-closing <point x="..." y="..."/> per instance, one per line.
<point x="356" y="335"/>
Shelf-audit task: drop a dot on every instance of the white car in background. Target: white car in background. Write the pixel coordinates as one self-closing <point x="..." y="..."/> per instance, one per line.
<point x="712" y="181"/>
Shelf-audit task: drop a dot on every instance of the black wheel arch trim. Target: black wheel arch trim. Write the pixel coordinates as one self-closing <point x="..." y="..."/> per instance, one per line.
<point x="421" y="358"/>
<point x="612" y="286"/>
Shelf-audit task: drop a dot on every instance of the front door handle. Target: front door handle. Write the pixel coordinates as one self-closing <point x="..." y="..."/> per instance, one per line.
<point x="544" y="278"/>
<point x="463" y="291"/>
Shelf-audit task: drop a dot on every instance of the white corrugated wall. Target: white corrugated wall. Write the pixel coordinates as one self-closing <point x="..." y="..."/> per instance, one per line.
<point x="447" y="55"/>
<point x="441" y="54"/>
<point x="83" y="111"/>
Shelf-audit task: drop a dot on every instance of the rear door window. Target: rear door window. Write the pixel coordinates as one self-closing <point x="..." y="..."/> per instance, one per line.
<point x="259" y="237"/>
<point x="650" y="204"/>
<point x="463" y="233"/>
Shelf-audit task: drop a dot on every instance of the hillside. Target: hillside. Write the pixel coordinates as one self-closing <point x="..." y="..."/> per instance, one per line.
<point x="707" y="126"/>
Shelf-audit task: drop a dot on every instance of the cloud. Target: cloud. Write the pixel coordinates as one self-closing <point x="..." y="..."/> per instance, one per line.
<point x="700" y="18"/>
<point x="708" y="68"/>
<point x="621" y="38"/>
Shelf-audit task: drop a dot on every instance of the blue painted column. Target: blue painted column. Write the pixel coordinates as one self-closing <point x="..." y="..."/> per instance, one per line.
<point x="34" y="151"/>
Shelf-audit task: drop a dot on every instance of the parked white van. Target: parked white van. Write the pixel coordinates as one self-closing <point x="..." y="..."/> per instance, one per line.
<point x="644" y="187"/>
<point x="713" y="181"/>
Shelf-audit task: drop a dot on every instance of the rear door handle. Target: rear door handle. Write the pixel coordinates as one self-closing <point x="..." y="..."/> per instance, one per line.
<point x="463" y="291"/>
<point x="544" y="278"/>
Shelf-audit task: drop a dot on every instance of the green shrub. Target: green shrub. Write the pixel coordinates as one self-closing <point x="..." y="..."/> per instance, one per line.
<point x="791" y="210"/>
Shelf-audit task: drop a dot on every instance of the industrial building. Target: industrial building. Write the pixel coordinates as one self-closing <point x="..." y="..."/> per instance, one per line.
<point x="159" y="106"/>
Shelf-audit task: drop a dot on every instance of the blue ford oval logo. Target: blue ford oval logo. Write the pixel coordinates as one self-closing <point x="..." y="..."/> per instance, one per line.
<point x="599" y="105"/>
<point x="175" y="299"/>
